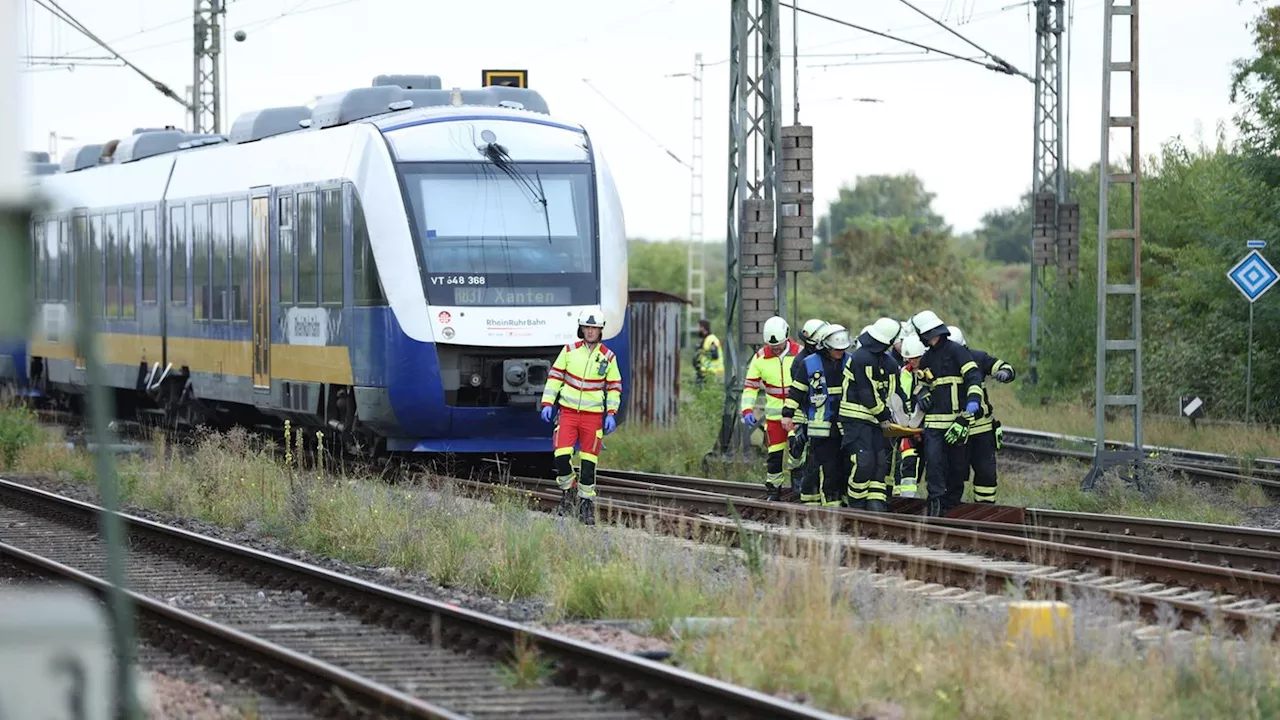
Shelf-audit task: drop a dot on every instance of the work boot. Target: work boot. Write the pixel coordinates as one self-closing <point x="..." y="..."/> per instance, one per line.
<point x="934" y="506"/>
<point x="586" y="511"/>
<point x="854" y="504"/>
<point x="877" y="506"/>
<point x="775" y="492"/>
<point x="566" y="503"/>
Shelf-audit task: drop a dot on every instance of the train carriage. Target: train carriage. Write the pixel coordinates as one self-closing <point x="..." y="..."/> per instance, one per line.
<point x="400" y="266"/>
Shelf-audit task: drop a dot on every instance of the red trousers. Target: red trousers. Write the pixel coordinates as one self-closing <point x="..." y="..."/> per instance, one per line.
<point x="586" y="429"/>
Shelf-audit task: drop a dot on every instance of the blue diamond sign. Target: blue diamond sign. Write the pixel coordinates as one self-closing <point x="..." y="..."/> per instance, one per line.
<point x="1253" y="276"/>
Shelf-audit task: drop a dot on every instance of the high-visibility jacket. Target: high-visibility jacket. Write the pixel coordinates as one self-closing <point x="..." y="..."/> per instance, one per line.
<point x="988" y="364"/>
<point x="867" y="383"/>
<point x="585" y="379"/>
<point x="710" y="356"/>
<point x="952" y="379"/>
<point x="771" y="373"/>
<point x="816" y="393"/>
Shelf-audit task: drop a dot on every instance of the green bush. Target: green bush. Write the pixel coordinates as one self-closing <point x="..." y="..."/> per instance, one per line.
<point x="18" y="429"/>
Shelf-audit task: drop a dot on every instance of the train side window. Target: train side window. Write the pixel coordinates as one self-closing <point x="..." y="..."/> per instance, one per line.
<point x="288" y="249"/>
<point x="111" y="246"/>
<point x="178" y="255"/>
<point x="93" y="270"/>
<point x="64" y="253"/>
<point x="128" y="266"/>
<point x="239" y="260"/>
<point x="368" y="287"/>
<point x="307" y="279"/>
<point x="220" y="300"/>
<point x="331" y="247"/>
<point x="75" y="233"/>
<point x="52" y="269"/>
<point x="37" y="257"/>
<point x="150" y="260"/>
<point x="200" y="261"/>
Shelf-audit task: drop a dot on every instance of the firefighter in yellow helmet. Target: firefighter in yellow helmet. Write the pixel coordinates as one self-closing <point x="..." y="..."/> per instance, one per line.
<point x="586" y="385"/>
<point x="708" y="359"/>
<point x="770" y="372"/>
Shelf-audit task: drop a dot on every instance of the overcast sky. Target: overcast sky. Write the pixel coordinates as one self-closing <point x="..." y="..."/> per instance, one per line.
<point x="966" y="131"/>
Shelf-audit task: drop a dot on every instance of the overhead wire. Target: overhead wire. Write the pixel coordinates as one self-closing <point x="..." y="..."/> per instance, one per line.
<point x="637" y="125"/>
<point x="994" y="58"/>
<point x="999" y="67"/>
<point x="57" y="11"/>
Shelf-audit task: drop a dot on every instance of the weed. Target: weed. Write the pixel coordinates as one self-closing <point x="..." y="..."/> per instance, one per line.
<point x="526" y="668"/>
<point x="19" y="429"/>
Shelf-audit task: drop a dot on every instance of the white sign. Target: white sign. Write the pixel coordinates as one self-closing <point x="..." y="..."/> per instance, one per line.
<point x="55" y="656"/>
<point x="306" y="326"/>
<point x="1191" y="407"/>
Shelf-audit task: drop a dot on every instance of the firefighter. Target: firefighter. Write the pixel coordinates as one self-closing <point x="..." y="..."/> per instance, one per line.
<point x="815" y="396"/>
<point x="798" y="436"/>
<point x="708" y="359"/>
<point x="985" y="437"/>
<point x="586" y="384"/>
<point x="864" y="415"/>
<point x="951" y="398"/>
<point x="906" y="412"/>
<point x="770" y="371"/>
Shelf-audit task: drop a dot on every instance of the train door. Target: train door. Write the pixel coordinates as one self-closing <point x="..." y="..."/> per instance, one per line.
<point x="163" y="279"/>
<point x="75" y="234"/>
<point x="260" y="232"/>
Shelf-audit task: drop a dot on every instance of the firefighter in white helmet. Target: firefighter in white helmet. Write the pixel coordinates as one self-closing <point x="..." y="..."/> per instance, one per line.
<point x="986" y="435"/>
<point x="864" y="415"/>
<point x="770" y="372"/>
<point x="585" y="384"/>
<point x="952" y="400"/>
<point x="816" y="396"/>
<point x="798" y="456"/>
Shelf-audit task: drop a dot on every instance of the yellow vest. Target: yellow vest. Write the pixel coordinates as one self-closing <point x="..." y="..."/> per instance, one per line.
<point x="772" y="374"/>
<point x="707" y="364"/>
<point x="585" y="380"/>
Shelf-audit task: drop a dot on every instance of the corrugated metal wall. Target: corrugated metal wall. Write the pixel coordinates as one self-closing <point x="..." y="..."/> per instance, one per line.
<point x="655" y="356"/>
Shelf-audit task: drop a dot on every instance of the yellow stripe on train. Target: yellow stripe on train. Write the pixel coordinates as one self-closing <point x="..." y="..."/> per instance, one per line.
<point x="306" y="363"/>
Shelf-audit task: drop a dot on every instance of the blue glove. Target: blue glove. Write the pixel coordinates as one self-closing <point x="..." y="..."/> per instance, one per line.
<point x="750" y="419"/>
<point x="610" y="424"/>
<point x="972" y="407"/>
<point x="546" y="413"/>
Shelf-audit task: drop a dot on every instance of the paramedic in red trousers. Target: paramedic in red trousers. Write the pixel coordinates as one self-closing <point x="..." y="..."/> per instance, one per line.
<point x="770" y="371"/>
<point x="586" y="384"/>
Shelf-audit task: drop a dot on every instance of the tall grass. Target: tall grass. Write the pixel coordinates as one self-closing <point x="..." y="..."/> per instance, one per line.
<point x="804" y="626"/>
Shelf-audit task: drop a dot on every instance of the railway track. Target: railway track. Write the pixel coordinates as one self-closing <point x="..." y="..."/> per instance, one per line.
<point x="1245" y="548"/>
<point x="1197" y="465"/>
<point x="341" y="646"/>
<point x="1051" y="561"/>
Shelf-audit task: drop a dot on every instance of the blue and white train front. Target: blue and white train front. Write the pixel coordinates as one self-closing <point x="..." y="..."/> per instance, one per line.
<point x="516" y="228"/>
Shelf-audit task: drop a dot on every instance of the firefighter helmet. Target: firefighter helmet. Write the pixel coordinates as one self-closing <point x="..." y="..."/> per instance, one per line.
<point x="590" y="318"/>
<point x="885" y="330"/>
<point x="912" y="347"/>
<point x="928" y="325"/>
<point x="812" y="331"/>
<point x="956" y="335"/>
<point x="775" y="331"/>
<point x="836" y="337"/>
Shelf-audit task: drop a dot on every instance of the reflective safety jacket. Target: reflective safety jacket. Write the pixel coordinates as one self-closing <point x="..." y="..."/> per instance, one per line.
<point x="772" y="374"/>
<point x="710" y="356"/>
<point x="902" y="404"/>
<point x="952" y="378"/>
<point x="988" y="364"/>
<point x="585" y="379"/>
<point x="867" y="383"/>
<point x="798" y="373"/>
<point x="816" y="392"/>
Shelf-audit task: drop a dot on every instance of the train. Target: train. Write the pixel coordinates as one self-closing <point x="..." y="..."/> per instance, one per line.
<point x="398" y="266"/>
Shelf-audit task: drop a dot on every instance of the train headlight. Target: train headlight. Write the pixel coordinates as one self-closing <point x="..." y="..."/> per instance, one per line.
<point x="475" y="380"/>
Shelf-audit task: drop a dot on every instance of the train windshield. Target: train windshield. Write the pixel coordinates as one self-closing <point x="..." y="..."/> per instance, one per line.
<point x="499" y="232"/>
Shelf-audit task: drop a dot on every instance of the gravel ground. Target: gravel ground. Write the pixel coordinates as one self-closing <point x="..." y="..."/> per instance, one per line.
<point x="518" y="610"/>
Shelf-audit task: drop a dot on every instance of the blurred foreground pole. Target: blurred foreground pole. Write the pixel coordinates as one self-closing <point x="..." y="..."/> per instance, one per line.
<point x="15" y="320"/>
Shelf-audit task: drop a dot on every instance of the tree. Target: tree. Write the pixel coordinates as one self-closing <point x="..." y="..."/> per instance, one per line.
<point x="1255" y="84"/>
<point x="884" y="197"/>
<point x="1006" y="233"/>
